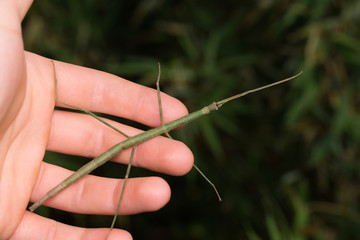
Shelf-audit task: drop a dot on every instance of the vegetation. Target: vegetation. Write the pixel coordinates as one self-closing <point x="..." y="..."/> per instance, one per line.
<point x="285" y="160"/>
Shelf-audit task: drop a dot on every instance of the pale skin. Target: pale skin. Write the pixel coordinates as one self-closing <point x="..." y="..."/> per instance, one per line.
<point x="29" y="126"/>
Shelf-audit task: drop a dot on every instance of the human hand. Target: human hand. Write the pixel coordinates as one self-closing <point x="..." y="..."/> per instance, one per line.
<point x="29" y="126"/>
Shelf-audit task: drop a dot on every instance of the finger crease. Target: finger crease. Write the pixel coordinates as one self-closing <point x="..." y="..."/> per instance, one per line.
<point x="98" y="140"/>
<point x="39" y="178"/>
<point x="138" y="105"/>
<point x="116" y="196"/>
<point x="80" y="191"/>
<point x="97" y="94"/>
<point x="83" y="234"/>
<point x="52" y="230"/>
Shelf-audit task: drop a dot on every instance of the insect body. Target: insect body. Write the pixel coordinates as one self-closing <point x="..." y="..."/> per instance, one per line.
<point x="142" y="137"/>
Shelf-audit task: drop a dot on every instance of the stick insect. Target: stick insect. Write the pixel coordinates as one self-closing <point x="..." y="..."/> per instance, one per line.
<point x="133" y="141"/>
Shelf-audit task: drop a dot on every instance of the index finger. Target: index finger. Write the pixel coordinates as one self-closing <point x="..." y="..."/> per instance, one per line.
<point x="98" y="91"/>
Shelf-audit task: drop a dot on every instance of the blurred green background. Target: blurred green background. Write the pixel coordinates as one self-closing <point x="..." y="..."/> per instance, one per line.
<point x="285" y="160"/>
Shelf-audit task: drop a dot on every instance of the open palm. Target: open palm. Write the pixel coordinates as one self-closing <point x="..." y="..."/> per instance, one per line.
<point x="29" y="126"/>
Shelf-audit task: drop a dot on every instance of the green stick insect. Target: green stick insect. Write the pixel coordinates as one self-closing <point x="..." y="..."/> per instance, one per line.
<point x="133" y="141"/>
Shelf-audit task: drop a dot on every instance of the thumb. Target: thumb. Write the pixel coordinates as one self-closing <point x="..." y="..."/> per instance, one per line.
<point x="12" y="81"/>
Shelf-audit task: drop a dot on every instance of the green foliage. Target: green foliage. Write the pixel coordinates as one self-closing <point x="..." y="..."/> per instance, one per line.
<point x="285" y="160"/>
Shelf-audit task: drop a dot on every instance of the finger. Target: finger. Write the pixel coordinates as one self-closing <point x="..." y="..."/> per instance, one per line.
<point x="12" y="82"/>
<point x="38" y="228"/>
<point x="103" y="92"/>
<point x="23" y="6"/>
<point x="99" y="195"/>
<point x="82" y="135"/>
